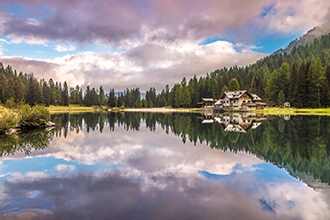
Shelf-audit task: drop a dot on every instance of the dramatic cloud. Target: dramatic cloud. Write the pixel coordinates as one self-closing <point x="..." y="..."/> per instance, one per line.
<point x="143" y="66"/>
<point x="41" y="69"/>
<point x="112" y="21"/>
<point x="146" y="43"/>
<point x="296" y="15"/>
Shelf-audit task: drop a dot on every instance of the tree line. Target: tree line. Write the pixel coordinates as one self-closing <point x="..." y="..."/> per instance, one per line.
<point x="301" y="77"/>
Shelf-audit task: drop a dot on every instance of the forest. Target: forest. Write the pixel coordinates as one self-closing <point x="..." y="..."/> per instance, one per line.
<point x="301" y="77"/>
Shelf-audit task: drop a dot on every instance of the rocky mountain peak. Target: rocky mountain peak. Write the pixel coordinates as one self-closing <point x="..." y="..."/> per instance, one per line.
<point x="309" y="37"/>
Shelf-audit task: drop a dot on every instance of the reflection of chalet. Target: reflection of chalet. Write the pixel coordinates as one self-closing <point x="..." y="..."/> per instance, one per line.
<point x="238" y="101"/>
<point x="239" y="122"/>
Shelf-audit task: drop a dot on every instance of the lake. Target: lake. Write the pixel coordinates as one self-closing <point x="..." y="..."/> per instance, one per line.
<point x="168" y="166"/>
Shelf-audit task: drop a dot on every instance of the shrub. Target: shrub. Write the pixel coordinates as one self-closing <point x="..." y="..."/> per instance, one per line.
<point x="8" y="119"/>
<point x="36" y="116"/>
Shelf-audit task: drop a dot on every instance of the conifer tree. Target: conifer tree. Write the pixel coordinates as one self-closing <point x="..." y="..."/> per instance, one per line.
<point x="65" y="94"/>
<point x="101" y="96"/>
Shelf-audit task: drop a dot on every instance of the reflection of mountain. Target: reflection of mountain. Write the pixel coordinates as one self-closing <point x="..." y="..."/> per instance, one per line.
<point x="311" y="182"/>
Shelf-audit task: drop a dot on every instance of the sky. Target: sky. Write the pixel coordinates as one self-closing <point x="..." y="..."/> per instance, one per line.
<point x="146" y="43"/>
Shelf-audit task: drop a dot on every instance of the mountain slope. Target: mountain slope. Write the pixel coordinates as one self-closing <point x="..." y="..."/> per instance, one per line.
<point x="307" y="38"/>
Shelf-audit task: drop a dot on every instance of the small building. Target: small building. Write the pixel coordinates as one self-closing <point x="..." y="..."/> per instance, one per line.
<point x="206" y="103"/>
<point x="286" y="105"/>
<point x="238" y="101"/>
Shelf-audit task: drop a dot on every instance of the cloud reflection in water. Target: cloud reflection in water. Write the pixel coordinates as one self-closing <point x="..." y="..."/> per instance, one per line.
<point x="152" y="175"/>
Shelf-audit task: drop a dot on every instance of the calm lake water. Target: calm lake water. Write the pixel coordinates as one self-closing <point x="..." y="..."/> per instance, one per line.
<point x="168" y="166"/>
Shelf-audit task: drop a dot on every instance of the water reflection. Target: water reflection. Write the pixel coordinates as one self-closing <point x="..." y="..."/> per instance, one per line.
<point x="157" y="166"/>
<point x="236" y="122"/>
<point x="25" y="142"/>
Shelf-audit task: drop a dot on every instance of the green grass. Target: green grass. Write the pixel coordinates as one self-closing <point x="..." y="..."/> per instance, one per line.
<point x="295" y="111"/>
<point x="75" y="109"/>
<point x="267" y="111"/>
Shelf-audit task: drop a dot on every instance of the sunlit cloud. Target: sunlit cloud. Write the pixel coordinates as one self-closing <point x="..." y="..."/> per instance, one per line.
<point x="64" y="48"/>
<point x="295" y="16"/>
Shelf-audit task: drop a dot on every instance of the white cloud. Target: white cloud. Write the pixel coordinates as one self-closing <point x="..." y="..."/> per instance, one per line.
<point x="3" y="41"/>
<point x="64" y="48"/>
<point x="30" y="176"/>
<point x="32" y="21"/>
<point x="296" y="16"/>
<point x="145" y="65"/>
<point x="65" y="167"/>
<point x="29" y="40"/>
<point x="296" y="193"/>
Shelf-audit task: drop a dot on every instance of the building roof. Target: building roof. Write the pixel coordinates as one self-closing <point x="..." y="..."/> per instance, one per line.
<point x="219" y="102"/>
<point x="234" y="94"/>
<point x="208" y="99"/>
<point x="256" y="98"/>
<point x="235" y="128"/>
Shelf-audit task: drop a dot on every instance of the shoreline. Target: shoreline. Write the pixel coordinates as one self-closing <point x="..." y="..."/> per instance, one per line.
<point x="78" y="109"/>
<point x="159" y="110"/>
<point x="266" y="111"/>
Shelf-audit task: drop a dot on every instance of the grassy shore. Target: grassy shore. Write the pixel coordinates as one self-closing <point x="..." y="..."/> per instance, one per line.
<point x="267" y="111"/>
<point x="160" y="109"/>
<point x="77" y="109"/>
<point x="295" y="111"/>
<point x="74" y="109"/>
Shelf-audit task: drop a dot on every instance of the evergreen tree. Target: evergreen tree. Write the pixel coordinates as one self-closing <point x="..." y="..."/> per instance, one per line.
<point x="185" y="98"/>
<point x="316" y="77"/>
<point x="112" y="99"/>
<point x="79" y="96"/>
<point x="33" y="95"/>
<point x="325" y="91"/>
<point x="233" y="85"/>
<point x="88" y="97"/>
<point x="52" y="91"/>
<point x="101" y="96"/>
<point x="73" y="95"/>
<point x="58" y="93"/>
<point x="281" y="97"/>
<point x="65" y="94"/>
<point x="46" y="93"/>
<point x="3" y="88"/>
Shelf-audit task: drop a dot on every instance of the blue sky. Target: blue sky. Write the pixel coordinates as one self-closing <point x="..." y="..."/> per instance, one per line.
<point x="120" y="44"/>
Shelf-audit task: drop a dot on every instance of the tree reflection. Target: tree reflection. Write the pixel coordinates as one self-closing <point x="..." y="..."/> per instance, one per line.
<point x="302" y="143"/>
<point x="25" y="142"/>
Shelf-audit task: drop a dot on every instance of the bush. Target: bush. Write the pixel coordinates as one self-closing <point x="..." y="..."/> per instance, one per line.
<point x="8" y="119"/>
<point x="36" y="116"/>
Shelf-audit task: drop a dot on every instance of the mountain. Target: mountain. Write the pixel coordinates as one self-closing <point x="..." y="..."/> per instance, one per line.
<point x="307" y="38"/>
